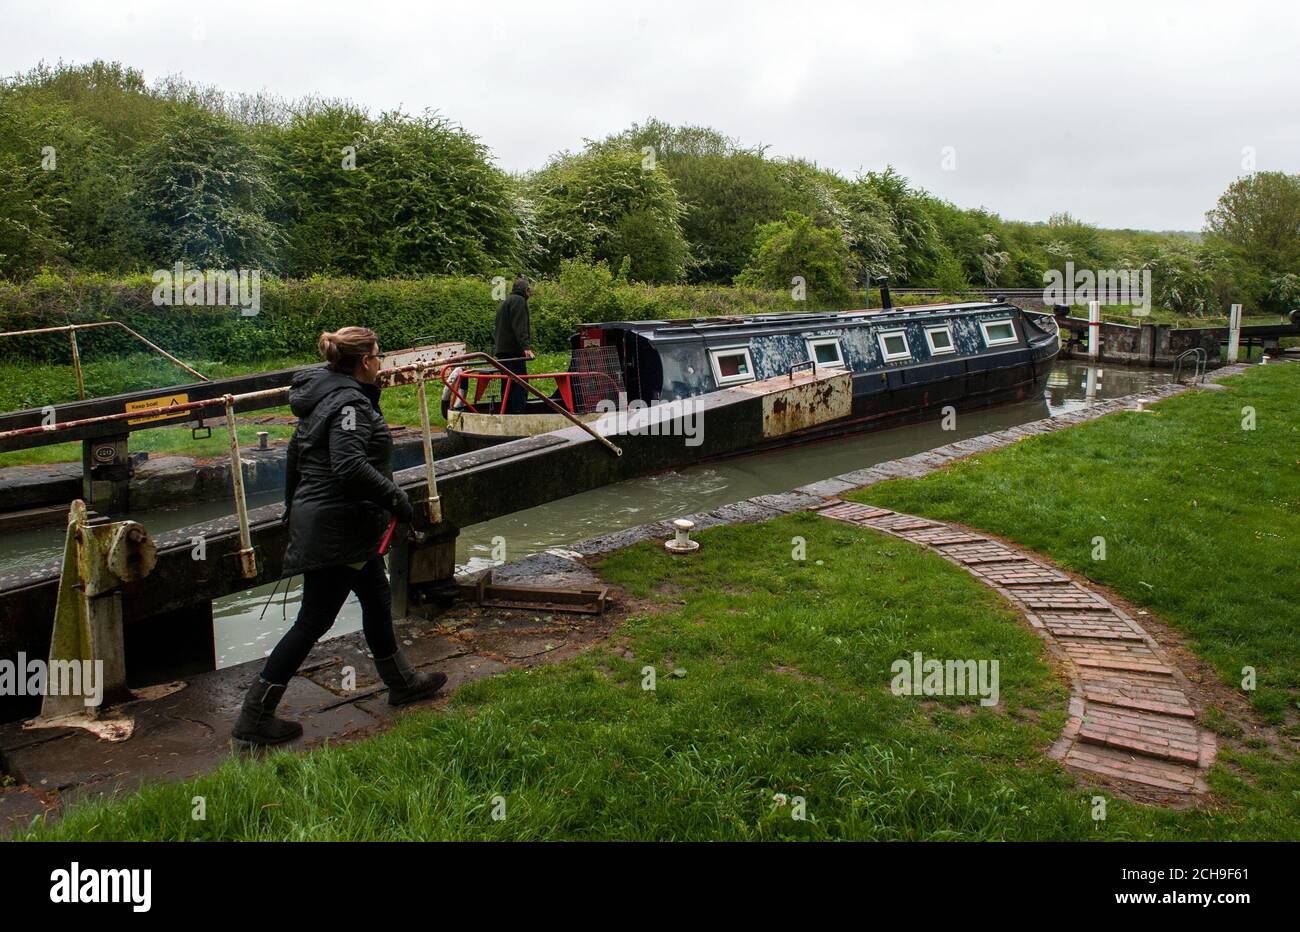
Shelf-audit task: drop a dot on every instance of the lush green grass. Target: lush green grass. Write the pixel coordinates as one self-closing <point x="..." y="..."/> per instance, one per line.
<point x="163" y="441"/>
<point x="33" y="386"/>
<point x="772" y="678"/>
<point x="1123" y="314"/>
<point x="1201" y="518"/>
<point x="27" y="385"/>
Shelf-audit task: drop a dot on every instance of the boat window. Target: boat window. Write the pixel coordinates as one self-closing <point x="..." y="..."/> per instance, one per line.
<point x="825" y="352"/>
<point x="940" y="340"/>
<point x="732" y="365"/>
<point x="894" y="346"/>
<point x="997" y="332"/>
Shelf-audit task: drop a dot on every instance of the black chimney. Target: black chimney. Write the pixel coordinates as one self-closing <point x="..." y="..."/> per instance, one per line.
<point x="882" y="282"/>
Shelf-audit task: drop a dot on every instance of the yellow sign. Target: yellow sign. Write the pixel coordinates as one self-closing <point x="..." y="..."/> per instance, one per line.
<point x="153" y="404"/>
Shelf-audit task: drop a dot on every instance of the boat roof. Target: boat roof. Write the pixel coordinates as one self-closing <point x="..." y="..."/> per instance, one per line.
<point x="791" y="319"/>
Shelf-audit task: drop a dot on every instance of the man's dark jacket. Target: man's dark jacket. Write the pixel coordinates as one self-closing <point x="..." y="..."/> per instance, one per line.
<point x="339" y="488"/>
<point x="514" y="330"/>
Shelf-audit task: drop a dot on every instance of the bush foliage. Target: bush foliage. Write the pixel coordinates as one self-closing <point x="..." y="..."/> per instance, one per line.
<point x="101" y="172"/>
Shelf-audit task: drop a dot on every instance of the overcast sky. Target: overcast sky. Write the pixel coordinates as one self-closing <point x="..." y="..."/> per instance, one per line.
<point x="1132" y="113"/>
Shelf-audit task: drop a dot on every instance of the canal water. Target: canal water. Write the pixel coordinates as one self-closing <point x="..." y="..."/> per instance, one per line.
<point x="243" y="632"/>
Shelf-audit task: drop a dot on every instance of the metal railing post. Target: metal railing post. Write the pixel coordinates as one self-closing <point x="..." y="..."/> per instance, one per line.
<point x="433" y="506"/>
<point x="76" y="364"/>
<point x="247" y="557"/>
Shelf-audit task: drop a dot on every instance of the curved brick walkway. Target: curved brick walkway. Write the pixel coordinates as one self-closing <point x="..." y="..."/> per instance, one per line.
<point x="1130" y="715"/>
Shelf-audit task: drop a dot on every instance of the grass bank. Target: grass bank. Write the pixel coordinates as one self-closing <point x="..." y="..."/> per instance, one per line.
<point x="1197" y="505"/>
<point x="771" y="683"/>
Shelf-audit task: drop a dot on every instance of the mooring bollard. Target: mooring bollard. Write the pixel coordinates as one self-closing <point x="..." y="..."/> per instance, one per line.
<point x="682" y="542"/>
<point x="434" y="504"/>
<point x="261" y="439"/>
<point x="247" y="557"/>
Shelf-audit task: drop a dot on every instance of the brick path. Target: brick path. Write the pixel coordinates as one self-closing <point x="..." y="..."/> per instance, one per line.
<point x="1131" y="718"/>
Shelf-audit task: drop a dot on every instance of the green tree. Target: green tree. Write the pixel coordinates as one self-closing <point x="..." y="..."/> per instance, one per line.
<point x="609" y="205"/>
<point x="323" y="207"/>
<point x="795" y="249"/>
<point x="919" y="241"/>
<point x="199" y="192"/>
<point x="438" y="204"/>
<point x="1257" y="222"/>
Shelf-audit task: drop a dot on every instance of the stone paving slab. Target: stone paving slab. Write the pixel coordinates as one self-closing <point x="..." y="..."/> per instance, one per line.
<point x="1064" y="596"/>
<point x="1020" y="573"/>
<point x="1120" y="765"/>
<point x="1148" y="733"/>
<point x="176" y="737"/>
<point x="1154" y="693"/>
<point x="1107" y="626"/>
<point x="1115" y="655"/>
<point x="943" y="537"/>
<point x="1131" y="718"/>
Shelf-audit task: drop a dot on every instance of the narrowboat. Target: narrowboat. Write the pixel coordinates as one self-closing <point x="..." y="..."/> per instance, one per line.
<point x="907" y="364"/>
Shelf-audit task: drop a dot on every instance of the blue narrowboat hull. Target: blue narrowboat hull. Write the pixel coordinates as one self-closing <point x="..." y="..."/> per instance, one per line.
<point x="907" y="364"/>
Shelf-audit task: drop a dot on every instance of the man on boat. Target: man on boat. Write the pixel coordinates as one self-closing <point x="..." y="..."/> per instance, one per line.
<point x="514" y="339"/>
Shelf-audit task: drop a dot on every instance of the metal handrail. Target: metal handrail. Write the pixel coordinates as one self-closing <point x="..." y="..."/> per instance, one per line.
<point x="247" y="557"/>
<point x="482" y="375"/>
<point x="514" y="377"/>
<point x="419" y="369"/>
<point x="71" y="331"/>
<point x="1202" y="361"/>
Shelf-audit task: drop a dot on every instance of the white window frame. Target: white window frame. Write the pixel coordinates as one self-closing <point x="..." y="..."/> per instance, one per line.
<point x="724" y="380"/>
<point x="884" y="351"/>
<point x="990" y="342"/>
<point x="814" y="342"/>
<point x="940" y="350"/>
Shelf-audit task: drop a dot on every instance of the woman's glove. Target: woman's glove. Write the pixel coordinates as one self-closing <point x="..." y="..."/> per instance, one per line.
<point x="401" y="507"/>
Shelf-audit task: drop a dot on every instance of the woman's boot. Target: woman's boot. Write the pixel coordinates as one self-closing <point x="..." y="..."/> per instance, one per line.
<point x="404" y="684"/>
<point x="257" y="724"/>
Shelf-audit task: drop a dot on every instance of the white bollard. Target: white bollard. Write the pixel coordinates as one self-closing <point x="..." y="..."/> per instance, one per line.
<point x="1094" y="330"/>
<point x="1234" y="332"/>
<point x="682" y="542"/>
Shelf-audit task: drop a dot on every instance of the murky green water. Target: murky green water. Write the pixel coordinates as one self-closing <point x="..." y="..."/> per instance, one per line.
<point x="243" y="633"/>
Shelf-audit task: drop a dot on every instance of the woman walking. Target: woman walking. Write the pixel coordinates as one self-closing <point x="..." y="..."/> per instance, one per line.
<point x="339" y="500"/>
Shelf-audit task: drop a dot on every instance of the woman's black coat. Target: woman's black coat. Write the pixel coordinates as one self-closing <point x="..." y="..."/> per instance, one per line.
<point x="339" y="490"/>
